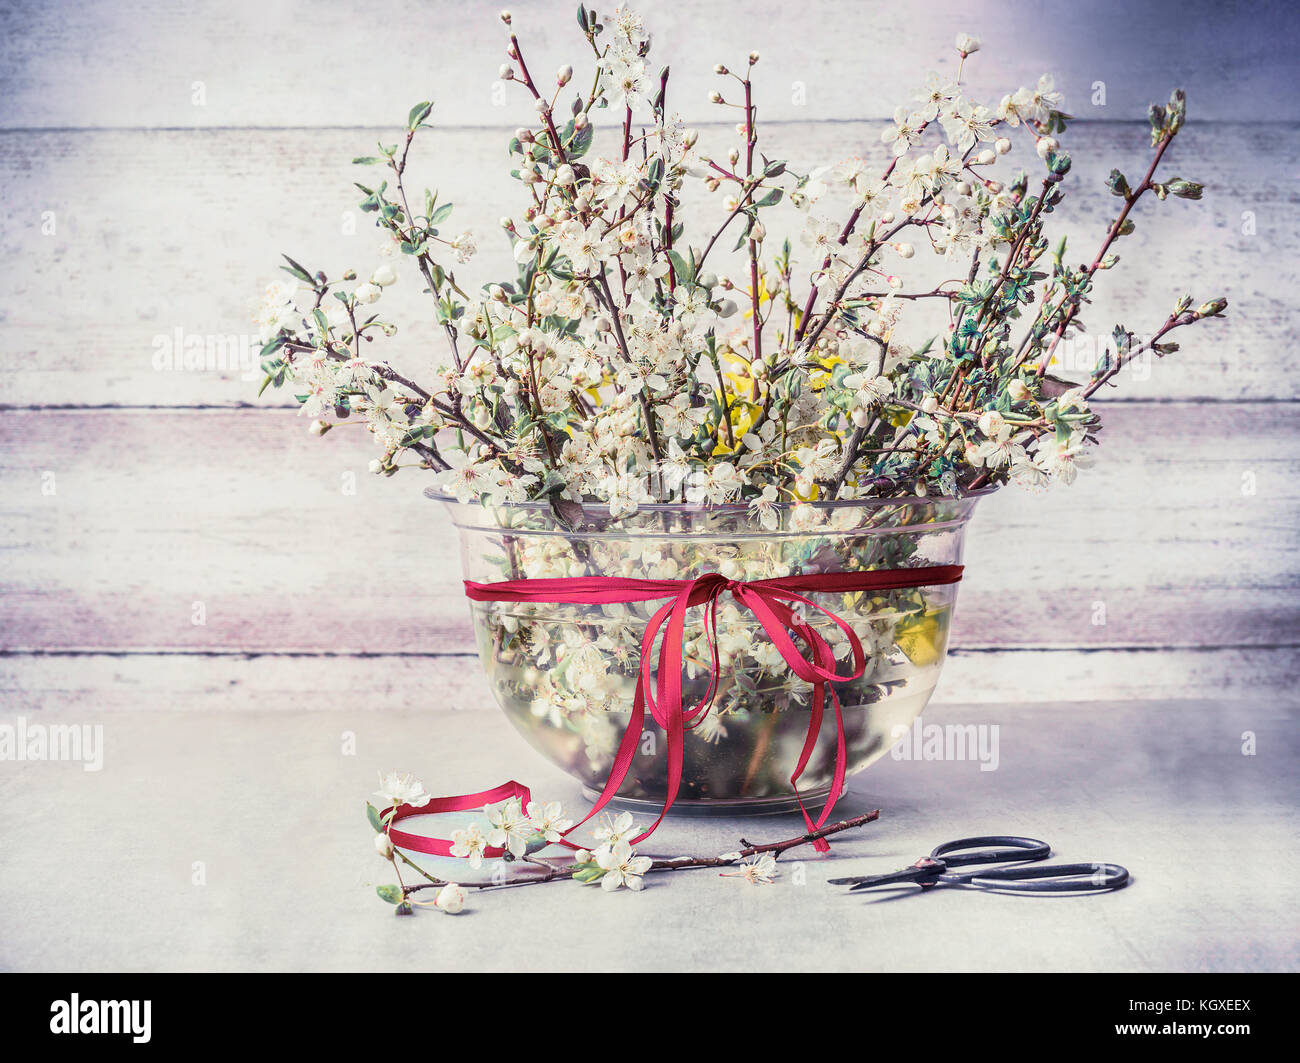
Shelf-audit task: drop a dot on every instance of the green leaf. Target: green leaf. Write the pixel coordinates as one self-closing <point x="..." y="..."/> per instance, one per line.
<point x="441" y="214"/>
<point x="1185" y="189"/>
<point x="418" y="114"/>
<point x="581" y="142"/>
<point x="298" y="270"/>
<point x="365" y="160"/>
<point x="372" y="814"/>
<point x="391" y="894"/>
<point x="683" y="272"/>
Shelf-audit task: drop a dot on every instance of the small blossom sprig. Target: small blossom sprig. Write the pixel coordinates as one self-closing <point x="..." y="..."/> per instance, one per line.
<point x="629" y="361"/>
<point x="612" y="862"/>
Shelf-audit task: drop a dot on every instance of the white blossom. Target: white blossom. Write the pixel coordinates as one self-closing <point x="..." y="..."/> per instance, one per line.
<point x="622" y="867"/>
<point x="397" y="789"/>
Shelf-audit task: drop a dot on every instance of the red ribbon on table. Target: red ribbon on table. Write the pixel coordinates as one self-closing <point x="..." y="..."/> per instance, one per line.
<point x="773" y="602"/>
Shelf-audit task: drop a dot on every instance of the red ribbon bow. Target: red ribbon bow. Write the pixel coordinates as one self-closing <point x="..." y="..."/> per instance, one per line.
<point x="773" y="602"/>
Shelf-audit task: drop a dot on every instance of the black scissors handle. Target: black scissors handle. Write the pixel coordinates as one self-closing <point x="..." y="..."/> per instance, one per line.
<point x="1046" y="878"/>
<point x="990" y="849"/>
<point x="928" y="871"/>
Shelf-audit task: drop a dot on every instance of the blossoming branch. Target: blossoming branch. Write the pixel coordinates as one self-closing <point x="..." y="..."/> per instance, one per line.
<point x="630" y="361"/>
<point x="522" y="832"/>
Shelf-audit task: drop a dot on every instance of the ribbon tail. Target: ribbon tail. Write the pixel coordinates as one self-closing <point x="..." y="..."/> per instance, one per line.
<point x="668" y="682"/>
<point x="815" y="713"/>
<point x="622" y="763"/>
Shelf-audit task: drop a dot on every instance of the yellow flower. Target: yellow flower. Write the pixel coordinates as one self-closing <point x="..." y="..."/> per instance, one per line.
<point x="923" y="636"/>
<point x="764" y="296"/>
<point x="819" y="378"/>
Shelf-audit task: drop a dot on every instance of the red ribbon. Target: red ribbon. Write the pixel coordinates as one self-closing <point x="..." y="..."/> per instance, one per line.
<point x="659" y="688"/>
<point x="421" y="843"/>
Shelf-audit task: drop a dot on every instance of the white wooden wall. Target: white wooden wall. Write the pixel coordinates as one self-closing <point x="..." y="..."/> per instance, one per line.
<point x="177" y="148"/>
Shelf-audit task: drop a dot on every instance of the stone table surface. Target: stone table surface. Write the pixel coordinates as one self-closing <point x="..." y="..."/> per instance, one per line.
<point x="236" y="840"/>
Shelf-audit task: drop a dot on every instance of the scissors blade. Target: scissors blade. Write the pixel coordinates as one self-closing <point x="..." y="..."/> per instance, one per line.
<point x="921" y="871"/>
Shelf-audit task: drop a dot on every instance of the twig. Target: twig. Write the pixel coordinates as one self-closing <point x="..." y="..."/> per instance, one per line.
<point x="1071" y="305"/>
<point x="679" y="863"/>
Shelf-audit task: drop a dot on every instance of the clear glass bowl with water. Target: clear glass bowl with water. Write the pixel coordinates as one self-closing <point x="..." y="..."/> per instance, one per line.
<point x="565" y="674"/>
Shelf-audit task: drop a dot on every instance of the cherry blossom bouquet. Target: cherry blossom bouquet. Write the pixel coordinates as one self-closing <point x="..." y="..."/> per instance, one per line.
<point x="647" y="399"/>
<point x="621" y="366"/>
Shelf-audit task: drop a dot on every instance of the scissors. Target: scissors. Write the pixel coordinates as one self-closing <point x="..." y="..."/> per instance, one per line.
<point x="1023" y="876"/>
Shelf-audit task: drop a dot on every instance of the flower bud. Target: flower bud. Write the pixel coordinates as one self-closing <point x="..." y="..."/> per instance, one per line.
<point x="564" y="75"/>
<point x="966" y="44"/>
<point x="505" y="17"/>
<point x="376" y="466"/>
<point x="319" y="428"/>
<point x="753" y="58"/>
<point x="451" y="898"/>
<point x="1018" y="390"/>
<point x="564" y="175"/>
<point x="581" y="121"/>
<point x="384" y="845"/>
<point x="384" y="276"/>
<point x="905" y="250"/>
<point x="715" y="97"/>
<point x="506" y="72"/>
<point x="929" y="404"/>
<point x="1002" y="145"/>
<point x="368" y="293"/>
<point x="986" y="157"/>
<point x="1045" y="146"/>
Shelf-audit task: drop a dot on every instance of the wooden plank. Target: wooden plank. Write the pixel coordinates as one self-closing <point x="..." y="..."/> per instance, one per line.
<point x="248" y="62"/>
<point x="177" y="231"/>
<point x="235" y="683"/>
<point x="243" y="512"/>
